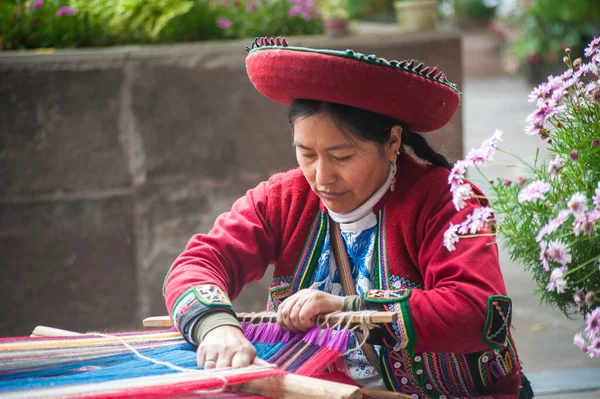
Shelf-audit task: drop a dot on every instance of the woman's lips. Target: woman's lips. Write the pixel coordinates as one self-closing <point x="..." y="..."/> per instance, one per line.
<point x="330" y="195"/>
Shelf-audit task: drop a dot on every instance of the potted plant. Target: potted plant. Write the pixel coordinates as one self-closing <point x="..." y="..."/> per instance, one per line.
<point x="474" y="14"/>
<point x="335" y="17"/>
<point x="539" y="31"/>
<point x="416" y="15"/>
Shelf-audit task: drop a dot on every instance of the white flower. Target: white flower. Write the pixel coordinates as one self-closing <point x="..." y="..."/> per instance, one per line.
<point x="462" y="193"/>
<point x="555" y="166"/>
<point x="557" y="280"/>
<point x="534" y="191"/>
<point x="577" y="204"/>
<point x="450" y="237"/>
<point x="476" y="220"/>
<point x="457" y="175"/>
<point x="596" y="197"/>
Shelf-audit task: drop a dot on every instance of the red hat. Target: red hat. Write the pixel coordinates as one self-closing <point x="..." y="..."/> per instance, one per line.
<point x="415" y="94"/>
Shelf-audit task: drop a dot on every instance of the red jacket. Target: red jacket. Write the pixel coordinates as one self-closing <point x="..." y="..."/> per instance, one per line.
<point x="454" y="336"/>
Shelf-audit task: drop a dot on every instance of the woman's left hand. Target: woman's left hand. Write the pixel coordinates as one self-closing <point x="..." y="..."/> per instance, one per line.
<point x="296" y="313"/>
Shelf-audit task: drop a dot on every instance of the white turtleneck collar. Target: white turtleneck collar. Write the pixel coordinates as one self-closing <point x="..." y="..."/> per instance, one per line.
<point x="363" y="217"/>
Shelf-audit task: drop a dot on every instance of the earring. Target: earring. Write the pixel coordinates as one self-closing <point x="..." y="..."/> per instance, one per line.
<point x="393" y="182"/>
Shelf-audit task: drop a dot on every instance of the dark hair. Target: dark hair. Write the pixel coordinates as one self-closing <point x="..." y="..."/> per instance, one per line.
<point x="366" y="125"/>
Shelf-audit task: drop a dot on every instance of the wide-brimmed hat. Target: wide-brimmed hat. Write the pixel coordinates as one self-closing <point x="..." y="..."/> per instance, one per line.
<point x="408" y="91"/>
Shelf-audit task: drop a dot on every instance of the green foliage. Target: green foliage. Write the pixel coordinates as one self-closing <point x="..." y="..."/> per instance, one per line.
<point x="571" y="133"/>
<point x="544" y="28"/>
<point x="475" y="9"/>
<point x="94" y="23"/>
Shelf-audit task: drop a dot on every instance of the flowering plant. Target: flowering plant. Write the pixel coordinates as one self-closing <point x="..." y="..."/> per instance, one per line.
<point x="93" y="23"/>
<point x="549" y="220"/>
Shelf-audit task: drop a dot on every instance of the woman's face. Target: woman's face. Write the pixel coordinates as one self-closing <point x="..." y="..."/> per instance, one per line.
<point x="344" y="173"/>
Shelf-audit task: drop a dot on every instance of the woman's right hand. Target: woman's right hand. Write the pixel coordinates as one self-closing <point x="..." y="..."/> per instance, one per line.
<point x="226" y="346"/>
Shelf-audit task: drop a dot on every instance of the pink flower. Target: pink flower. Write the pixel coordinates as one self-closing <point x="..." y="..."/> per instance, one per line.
<point x="457" y="175"/>
<point x="65" y="10"/>
<point x="38" y="3"/>
<point x="224" y="23"/>
<point x="535" y="127"/>
<point x="559" y="252"/>
<point x="592" y="321"/>
<point x="579" y="341"/>
<point x="593" y="215"/>
<point x="555" y="166"/>
<point x="557" y="280"/>
<point x="545" y="91"/>
<point x="534" y="191"/>
<point x="486" y="152"/>
<point x="450" y="237"/>
<point x="544" y="112"/>
<point x="476" y="220"/>
<point x="593" y="349"/>
<point x="544" y="256"/>
<point x="553" y="225"/>
<point x="303" y="8"/>
<point x="593" y="48"/>
<point x="577" y="204"/>
<point x="578" y="225"/>
<point x="596" y="197"/>
<point x="250" y="6"/>
<point x="462" y="193"/>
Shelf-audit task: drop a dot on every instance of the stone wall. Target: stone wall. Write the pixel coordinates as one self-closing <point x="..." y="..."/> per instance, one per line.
<point x="111" y="159"/>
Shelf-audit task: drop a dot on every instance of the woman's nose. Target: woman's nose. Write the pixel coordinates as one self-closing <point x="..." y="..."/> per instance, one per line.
<point x="325" y="174"/>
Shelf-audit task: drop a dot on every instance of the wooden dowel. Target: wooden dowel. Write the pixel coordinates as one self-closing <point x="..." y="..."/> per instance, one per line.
<point x="43" y="331"/>
<point x="384" y="394"/>
<point x="292" y="386"/>
<point x="334" y="318"/>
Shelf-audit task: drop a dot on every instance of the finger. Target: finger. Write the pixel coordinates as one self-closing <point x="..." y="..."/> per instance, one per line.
<point x="260" y="362"/>
<point x="210" y="361"/>
<point x="284" y="313"/>
<point x="224" y="359"/>
<point x="306" y="315"/>
<point x="294" y="318"/>
<point x="241" y="359"/>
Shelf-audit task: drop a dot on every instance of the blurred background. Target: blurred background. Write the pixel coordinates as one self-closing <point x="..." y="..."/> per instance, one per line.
<point x="126" y="126"/>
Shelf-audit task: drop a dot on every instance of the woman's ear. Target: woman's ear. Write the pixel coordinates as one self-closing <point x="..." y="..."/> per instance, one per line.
<point x="394" y="143"/>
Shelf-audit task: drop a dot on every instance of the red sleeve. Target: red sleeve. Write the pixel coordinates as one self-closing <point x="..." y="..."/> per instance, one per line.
<point x="235" y="252"/>
<point x="456" y="307"/>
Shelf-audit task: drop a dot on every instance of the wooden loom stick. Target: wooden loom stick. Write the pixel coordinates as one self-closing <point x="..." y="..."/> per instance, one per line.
<point x="286" y="386"/>
<point x="43" y="331"/>
<point x="331" y="319"/>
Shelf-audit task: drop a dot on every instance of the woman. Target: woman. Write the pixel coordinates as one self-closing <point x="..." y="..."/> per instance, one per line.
<point x="359" y="225"/>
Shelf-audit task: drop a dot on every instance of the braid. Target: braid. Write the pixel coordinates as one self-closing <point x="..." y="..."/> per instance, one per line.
<point x="422" y="148"/>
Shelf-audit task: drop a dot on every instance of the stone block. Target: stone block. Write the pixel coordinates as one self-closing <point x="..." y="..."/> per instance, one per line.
<point x="67" y="264"/>
<point x="59" y="130"/>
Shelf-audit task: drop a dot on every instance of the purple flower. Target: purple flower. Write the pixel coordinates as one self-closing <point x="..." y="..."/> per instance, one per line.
<point x="250" y="6"/>
<point x="38" y="3"/>
<point x="596" y="197"/>
<point x="65" y="10"/>
<point x="457" y="174"/>
<point x="544" y="112"/>
<point x="544" y="256"/>
<point x="476" y="220"/>
<point x="593" y="48"/>
<point x="592" y="321"/>
<point x="577" y="204"/>
<point x="224" y="23"/>
<point x="486" y="152"/>
<point x="555" y="166"/>
<point x="593" y="349"/>
<point x="559" y="252"/>
<point x="534" y="191"/>
<point x="557" y="280"/>
<point x="553" y="225"/>
<point x="303" y="8"/>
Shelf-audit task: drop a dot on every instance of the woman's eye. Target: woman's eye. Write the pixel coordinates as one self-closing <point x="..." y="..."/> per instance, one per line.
<point x="309" y="156"/>
<point x="342" y="159"/>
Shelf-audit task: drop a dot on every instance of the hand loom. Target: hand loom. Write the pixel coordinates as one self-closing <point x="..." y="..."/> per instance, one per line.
<point x="55" y="363"/>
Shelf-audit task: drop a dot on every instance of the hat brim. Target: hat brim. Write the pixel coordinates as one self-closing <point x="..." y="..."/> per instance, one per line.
<point x="283" y="74"/>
